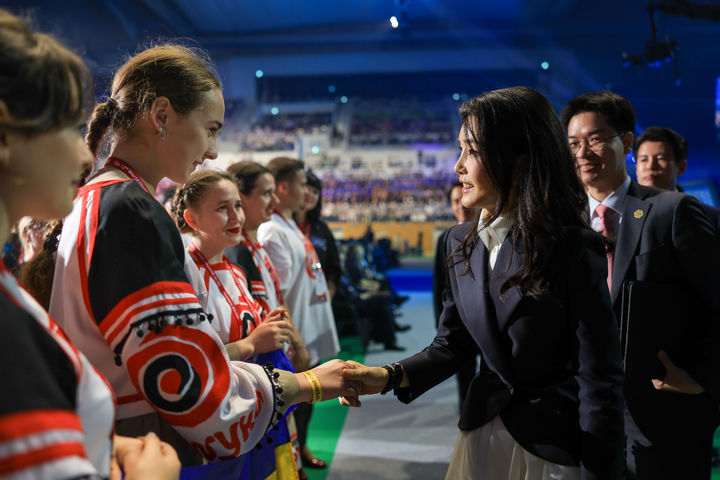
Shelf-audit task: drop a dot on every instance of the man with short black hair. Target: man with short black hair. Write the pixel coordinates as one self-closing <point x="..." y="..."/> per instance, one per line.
<point x="663" y="242"/>
<point x="660" y="158"/>
<point x="302" y="280"/>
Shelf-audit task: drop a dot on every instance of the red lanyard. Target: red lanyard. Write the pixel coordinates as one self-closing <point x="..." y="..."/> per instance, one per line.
<point x="306" y="228"/>
<point x="257" y="252"/>
<point x="124" y="167"/>
<point x="200" y="260"/>
<point x="312" y="262"/>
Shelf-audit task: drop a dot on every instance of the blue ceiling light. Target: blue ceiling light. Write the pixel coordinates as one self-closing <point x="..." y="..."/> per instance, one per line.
<point x="274" y="110"/>
<point x="259" y="73"/>
<point x="331" y="88"/>
<point x="545" y="65"/>
<point x="456" y="96"/>
<point x="343" y="99"/>
<point x="315" y="150"/>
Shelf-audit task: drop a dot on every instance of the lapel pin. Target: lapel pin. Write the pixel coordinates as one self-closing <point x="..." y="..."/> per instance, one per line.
<point x="638" y="214"/>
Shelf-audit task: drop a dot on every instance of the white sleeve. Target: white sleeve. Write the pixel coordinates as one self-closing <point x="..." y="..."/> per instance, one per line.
<point x="274" y="242"/>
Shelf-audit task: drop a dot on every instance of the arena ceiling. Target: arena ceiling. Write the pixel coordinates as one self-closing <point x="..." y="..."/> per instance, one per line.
<point x="243" y="27"/>
<point x="583" y="42"/>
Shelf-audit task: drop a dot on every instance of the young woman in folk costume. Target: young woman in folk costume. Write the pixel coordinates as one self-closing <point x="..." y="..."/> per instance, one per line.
<point x="208" y="208"/>
<point x="56" y="411"/>
<point x="120" y="289"/>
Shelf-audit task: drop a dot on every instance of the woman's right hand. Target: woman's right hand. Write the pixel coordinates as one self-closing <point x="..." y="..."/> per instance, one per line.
<point x="155" y="460"/>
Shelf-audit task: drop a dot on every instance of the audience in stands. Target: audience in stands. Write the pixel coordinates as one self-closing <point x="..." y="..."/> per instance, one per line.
<point x="380" y="122"/>
<point x="403" y="198"/>
<point x="279" y="132"/>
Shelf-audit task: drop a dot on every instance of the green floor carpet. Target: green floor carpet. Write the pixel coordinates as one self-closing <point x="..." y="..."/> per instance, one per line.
<point x="328" y="418"/>
<point x="716" y="442"/>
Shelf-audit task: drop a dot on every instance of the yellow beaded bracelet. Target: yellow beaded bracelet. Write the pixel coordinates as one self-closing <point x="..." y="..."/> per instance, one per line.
<point x="314" y="386"/>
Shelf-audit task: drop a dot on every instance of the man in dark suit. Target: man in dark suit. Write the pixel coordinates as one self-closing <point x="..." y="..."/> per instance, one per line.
<point x="665" y="238"/>
<point x="660" y="158"/>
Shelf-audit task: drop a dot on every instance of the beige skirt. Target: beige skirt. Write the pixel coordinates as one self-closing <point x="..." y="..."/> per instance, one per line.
<point x="491" y="453"/>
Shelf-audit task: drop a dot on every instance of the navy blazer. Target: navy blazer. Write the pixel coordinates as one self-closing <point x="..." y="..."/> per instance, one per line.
<point x="665" y="237"/>
<point x="712" y="213"/>
<point x="550" y="365"/>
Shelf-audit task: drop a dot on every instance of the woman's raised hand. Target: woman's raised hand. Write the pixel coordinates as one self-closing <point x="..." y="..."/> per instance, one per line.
<point x="272" y="333"/>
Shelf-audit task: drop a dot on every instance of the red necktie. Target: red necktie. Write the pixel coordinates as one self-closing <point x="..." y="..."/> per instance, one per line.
<point x="605" y="214"/>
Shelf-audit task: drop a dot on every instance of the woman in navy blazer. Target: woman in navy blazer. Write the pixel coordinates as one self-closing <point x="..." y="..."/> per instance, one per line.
<point x="526" y="290"/>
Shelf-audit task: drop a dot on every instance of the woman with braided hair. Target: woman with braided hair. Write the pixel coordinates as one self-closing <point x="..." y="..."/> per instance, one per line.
<point x="120" y="289"/>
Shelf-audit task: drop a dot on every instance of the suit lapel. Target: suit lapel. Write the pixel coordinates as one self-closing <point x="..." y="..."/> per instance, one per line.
<point x="505" y="267"/>
<point x="471" y="286"/>
<point x="635" y="213"/>
<point x="477" y="311"/>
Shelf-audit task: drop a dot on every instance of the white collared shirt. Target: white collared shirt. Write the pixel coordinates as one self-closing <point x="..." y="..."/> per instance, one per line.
<point x="615" y="201"/>
<point x="493" y="236"/>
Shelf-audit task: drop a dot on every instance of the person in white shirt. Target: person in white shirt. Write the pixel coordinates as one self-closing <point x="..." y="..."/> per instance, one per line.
<point x="302" y="280"/>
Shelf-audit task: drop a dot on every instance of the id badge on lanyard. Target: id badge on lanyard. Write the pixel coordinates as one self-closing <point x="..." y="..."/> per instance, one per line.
<point x="313" y="268"/>
<point x="320" y="293"/>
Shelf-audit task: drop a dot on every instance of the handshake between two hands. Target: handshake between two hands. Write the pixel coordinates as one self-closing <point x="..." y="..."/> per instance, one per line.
<point x="346" y="381"/>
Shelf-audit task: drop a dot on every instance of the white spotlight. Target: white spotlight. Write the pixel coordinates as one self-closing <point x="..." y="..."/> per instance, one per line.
<point x="394" y="22"/>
